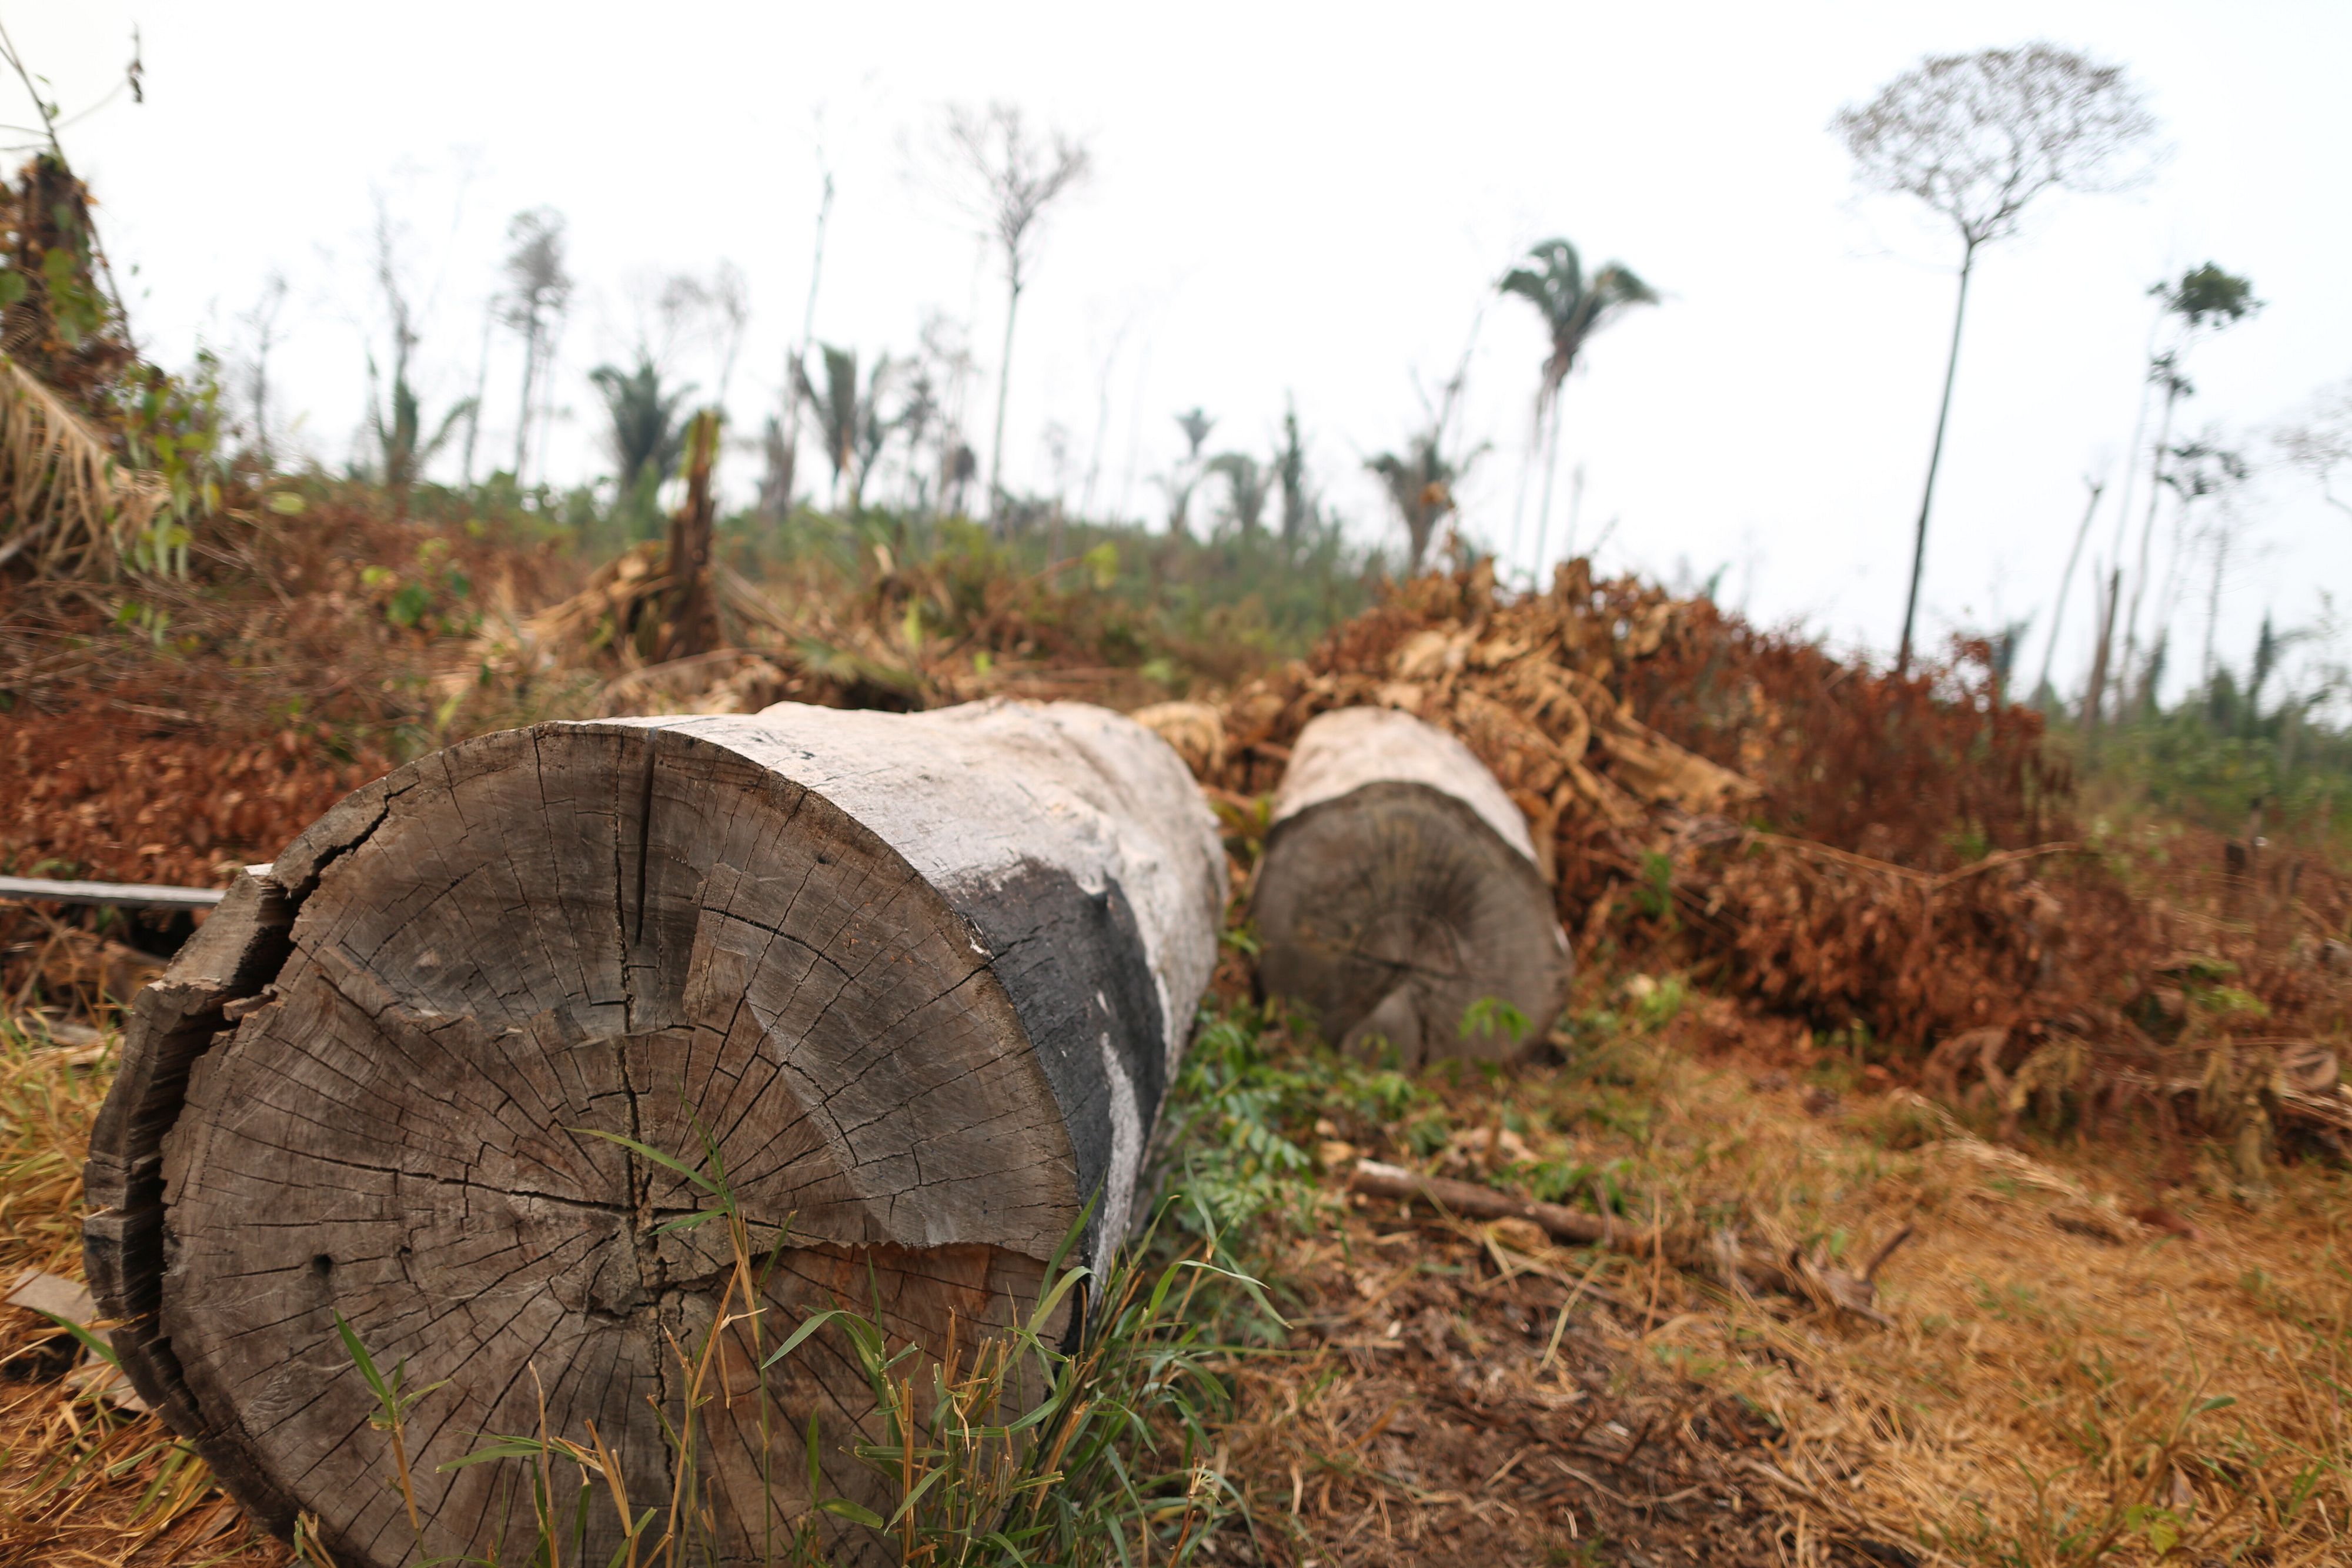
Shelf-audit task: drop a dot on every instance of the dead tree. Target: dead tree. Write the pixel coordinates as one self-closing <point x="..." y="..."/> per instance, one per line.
<point x="693" y="610"/>
<point x="916" y="981"/>
<point x="1400" y="890"/>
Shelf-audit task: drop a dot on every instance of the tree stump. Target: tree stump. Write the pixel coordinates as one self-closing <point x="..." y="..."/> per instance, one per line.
<point x="919" y="980"/>
<point x="1399" y="889"/>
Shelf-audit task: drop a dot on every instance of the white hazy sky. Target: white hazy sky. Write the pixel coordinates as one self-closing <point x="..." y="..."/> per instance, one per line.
<point x="1313" y="202"/>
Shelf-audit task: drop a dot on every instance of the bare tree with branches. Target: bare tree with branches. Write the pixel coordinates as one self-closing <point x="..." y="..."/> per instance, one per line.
<point x="539" y="291"/>
<point x="1011" y="175"/>
<point x="2204" y="471"/>
<point x="261" y="322"/>
<point x="398" y="421"/>
<point x="1979" y="138"/>
<point x="1183" y="476"/>
<point x="2319" y="444"/>
<point x="1420" y="481"/>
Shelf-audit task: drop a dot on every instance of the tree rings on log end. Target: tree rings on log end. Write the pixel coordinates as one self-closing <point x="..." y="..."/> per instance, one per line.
<point x="919" y="1008"/>
<point x="1399" y="890"/>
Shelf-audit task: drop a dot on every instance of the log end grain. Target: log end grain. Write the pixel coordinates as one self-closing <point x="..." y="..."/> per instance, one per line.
<point x="1400" y="890"/>
<point x="914" y="983"/>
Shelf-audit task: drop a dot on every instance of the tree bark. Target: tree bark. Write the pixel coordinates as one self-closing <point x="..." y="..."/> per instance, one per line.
<point x="919" y="980"/>
<point x="1399" y="889"/>
<point x="1934" y="461"/>
<point x="694" y="611"/>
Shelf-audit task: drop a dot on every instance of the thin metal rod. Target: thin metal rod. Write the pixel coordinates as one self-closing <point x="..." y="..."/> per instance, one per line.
<point x="123" y="895"/>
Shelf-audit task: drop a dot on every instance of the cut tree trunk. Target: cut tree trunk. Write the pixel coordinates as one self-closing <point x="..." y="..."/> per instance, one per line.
<point x="916" y="981"/>
<point x="694" y="612"/>
<point x="1400" y="890"/>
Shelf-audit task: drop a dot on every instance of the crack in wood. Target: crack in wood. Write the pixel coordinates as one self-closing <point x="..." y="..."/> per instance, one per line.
<point x="896" y="972"/>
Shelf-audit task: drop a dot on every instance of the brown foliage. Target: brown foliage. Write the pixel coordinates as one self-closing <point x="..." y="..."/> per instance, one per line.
<point x="1895" y="855"/>
<point x="89" y="797"/>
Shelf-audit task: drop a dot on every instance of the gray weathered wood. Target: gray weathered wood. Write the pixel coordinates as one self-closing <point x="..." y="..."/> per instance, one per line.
<point x="1399" y="888"/>
<point x="919" y="979"/>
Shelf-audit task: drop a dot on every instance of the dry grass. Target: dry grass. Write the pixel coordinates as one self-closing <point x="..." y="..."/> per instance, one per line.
<point x="81" y="1482"/>
<point x="2100" y="1354"/>
<point x="2066" y="1384"/>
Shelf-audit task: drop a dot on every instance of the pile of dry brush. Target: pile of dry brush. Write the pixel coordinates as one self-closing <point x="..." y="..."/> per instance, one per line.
<point x="1892" y="859"/>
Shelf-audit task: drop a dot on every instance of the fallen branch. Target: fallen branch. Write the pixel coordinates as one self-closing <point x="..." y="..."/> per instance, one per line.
<point x="1746" y="1266"/>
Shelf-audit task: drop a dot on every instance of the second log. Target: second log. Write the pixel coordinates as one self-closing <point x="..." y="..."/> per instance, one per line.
<point x="1399" y="892"/>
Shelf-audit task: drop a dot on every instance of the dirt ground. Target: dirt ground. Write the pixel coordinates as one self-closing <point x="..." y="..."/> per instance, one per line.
<point x="2096" y="1351"/>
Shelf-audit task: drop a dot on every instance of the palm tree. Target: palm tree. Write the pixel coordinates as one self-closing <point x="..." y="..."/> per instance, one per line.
<point x="400" y="430"/>
<point x="1290" y="470"/>
<point x="398" y="421"/>
<point x="1185" y="476"/>
<point x="1249" y="484"/>
<point x="1573" y="307"/>
<point x="1420" y="486"/>
<point x="646" y="436"/>
<point x="848" y="421"/>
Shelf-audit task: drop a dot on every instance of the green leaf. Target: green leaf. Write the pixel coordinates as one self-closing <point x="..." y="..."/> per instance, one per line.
<point x="287" y="504"/>
<point x="13" y="286"/>
<point x="363" y="1360"/>
<point x="635" y="1148"/>
<point x="496" y="1448"/>
<point x="96" y="1344"/>
<point x="841" y="1508"/>
<point x="408" y="604"/>
<point x="792" y="1344"/>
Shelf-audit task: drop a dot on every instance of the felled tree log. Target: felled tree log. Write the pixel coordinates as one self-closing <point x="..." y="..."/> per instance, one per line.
<point x="918" y="980"/>
<point x="1400" y="889"/>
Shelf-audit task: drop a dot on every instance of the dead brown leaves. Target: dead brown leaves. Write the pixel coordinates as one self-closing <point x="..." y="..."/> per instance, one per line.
<point x="1924" y="877"/>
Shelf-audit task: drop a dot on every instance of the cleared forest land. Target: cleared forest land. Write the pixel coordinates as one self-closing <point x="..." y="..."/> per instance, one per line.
<point x="1863" y="992"/>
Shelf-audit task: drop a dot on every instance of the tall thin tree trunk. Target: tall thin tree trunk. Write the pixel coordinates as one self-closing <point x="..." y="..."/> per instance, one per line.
<point x="1003" y="390"/>
<point x="799" y="353"/>
<point x="2147" y="529"/>
<point x="529" y="375"/>
<point x="2065" y="584"/>
<point x="481" y="386"/>
<point x="1935" y="460"/>
<point x="1102" y="422"/>
<point x="1519" y="501"/>
<point x="549" y="354"/>
<point x="261" y="448"/>
<point x="2213" y="602"/>
<point x="1575" y="510"/>
<point x="1551" y="467"/>
<point x="2131" y="454"/>
<point x="2097" y="690"/>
